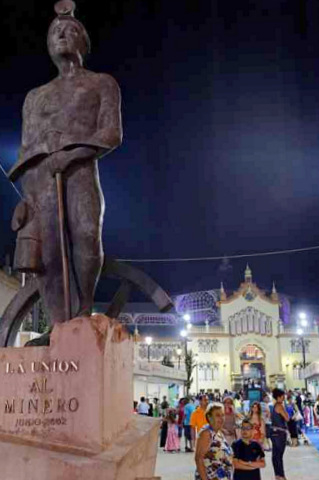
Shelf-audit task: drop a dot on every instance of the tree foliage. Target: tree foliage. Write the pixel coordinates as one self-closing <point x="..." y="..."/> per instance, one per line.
<point x="189" y="365"/>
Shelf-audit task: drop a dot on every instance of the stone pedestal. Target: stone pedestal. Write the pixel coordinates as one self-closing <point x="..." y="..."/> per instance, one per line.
<point x="66" y="410"/>
<point x="131" y="456"/>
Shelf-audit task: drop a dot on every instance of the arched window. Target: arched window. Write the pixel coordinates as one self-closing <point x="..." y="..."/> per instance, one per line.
<point x="208" y="346"/>
<point x="215" y="371"/>
<point x="297" y="372"/>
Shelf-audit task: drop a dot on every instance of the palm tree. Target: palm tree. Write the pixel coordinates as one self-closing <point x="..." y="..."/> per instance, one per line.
<point x="189" y="365"/>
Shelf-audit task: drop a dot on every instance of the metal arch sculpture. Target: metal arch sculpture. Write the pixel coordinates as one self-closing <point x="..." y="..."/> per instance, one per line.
<point x="130" y="276"/>
<point x="16" y="311"/>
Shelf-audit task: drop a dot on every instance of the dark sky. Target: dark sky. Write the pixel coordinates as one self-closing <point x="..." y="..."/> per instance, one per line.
<point x="221" y="132"/>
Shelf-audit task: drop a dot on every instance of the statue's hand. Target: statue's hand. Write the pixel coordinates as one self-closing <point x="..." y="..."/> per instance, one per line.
<point x="60" y="161"/>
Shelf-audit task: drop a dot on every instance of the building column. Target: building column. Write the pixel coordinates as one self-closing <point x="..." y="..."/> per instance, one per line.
<point x="279" y="348"/>
<point x="231" y="355"/>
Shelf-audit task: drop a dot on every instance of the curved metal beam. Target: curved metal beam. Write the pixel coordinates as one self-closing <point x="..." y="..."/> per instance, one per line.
<point x="16" y="311"/>
<point x="27" y="296"/>
<point x="141" y="280"/>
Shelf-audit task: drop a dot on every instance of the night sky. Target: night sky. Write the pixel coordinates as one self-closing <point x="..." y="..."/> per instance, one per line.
<point x="221" y="133"/>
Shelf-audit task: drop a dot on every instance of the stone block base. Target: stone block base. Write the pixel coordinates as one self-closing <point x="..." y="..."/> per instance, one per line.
<point x="131" y="456"/>
<point x="76" y="394"/>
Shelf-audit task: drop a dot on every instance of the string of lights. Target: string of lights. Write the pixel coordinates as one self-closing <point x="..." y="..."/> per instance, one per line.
<point x="12" y="184"/>
<point x="222" y="257"/>
<point x="199" y="259"/>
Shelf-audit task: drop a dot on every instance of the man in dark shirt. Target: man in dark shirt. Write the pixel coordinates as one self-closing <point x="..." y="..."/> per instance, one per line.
<point x="164" y="406"/>
<point x="248" y="455"/>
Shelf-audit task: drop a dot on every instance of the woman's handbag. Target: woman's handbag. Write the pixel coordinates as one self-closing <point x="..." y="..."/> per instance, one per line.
<point x="297" y="416"/>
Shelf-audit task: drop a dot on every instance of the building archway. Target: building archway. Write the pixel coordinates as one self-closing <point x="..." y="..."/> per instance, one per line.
<point x="253" y="365"/>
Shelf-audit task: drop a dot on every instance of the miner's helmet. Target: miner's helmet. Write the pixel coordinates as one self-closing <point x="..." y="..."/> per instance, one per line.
<point x="65" y="12"/>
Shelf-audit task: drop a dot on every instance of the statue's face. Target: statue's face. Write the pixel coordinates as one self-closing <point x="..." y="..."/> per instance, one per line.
<point x="66" y="38"/>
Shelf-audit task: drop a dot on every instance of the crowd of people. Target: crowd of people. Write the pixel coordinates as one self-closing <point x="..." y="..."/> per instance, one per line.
<point x="229" y="433"/>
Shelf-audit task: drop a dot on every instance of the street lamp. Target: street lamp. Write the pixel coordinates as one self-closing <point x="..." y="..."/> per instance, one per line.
<point x="303" y="319"/>
<point x="187" y="317"/>
<point x="179" y="354"/>
<point x="148" y="341"/>
<point x="189" y="326"/>
<point x="303" y="347"/>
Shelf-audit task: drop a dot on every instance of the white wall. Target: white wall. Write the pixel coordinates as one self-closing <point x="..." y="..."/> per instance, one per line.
<point x="240" y="303"/>
<point x="269" y="344"/>
<point x="140" y="388"/>
<point x="223" y="380"/>
<point x="151" y="387"/>
<point x="289" y="358"/>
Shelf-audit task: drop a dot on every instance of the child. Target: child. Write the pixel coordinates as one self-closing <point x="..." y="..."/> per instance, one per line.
<point x="249" y="457"/>
<point x="255" y="416"/>
<point x="172" y="440"/>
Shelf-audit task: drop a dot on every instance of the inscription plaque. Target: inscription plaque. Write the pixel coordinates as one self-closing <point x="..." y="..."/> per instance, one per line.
<point x="63" y="395"/>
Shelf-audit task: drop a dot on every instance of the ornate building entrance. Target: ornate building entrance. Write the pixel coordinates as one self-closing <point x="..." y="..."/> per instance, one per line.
<point x="252" y="360"/>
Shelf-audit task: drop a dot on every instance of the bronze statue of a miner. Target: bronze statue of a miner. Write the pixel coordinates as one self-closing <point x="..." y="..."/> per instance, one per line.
<point x="68" y="124"/>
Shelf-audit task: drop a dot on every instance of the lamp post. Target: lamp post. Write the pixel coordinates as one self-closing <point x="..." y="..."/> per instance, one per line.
<point x="148" y="341"/>
<point x="303" y="319"/>
<point x="179" y="354"/>
<point x="183" y="334"/>
<point x="196" y="365"/>
<point x="303" y="348"/>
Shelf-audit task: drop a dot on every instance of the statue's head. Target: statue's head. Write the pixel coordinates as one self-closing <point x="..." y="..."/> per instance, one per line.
<point x="67" y="36"/>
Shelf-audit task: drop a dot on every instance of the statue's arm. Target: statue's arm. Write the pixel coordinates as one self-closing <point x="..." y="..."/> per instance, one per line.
<point x="28" y="132"/>
<point x="109" y="125"/>
<point x="32" y="147"/>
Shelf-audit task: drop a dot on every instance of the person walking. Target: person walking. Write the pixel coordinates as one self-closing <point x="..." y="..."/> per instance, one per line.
<point x="316" y="412"/>
<point x="300" y="423"/>
<point x="172" y="444"/>
<point x="189" y="408"/>
<point x="164" y="407"/>
<point x="293" y="413"/>
<point x="198" y="418"/>
<point x="231" y="417"/>
<point x="164" y="430"/>
<point x="213" y="454"/>
<point x="238" y="404"/>
<point x="279" y="418"/>
<point x="246" y="406"/>
<point x="156" y="408"/>
<point x="180" y="417"/>
<point x="307" y="415"/>
<point x="266" y="414"/>
<point x="150" y="408"/>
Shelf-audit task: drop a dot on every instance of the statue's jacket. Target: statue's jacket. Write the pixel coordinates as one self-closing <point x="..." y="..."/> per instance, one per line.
<point x="64" y="114"/>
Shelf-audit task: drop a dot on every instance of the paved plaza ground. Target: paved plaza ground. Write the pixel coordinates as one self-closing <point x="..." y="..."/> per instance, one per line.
<point x="301" y="463"/>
